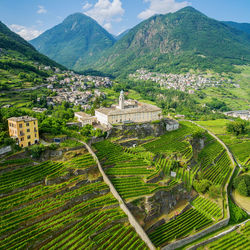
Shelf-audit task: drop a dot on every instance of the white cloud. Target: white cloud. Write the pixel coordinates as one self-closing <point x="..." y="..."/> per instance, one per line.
<point x="41" y="10"/>
<point x="107" y="26"/>
<point x="161" y="7"/>
<point x="106" y="12"/>
<point x="25" y="32"/>
<point x="87" y="6"/>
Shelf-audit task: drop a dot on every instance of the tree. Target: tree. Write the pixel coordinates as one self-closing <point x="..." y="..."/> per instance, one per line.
<point x="242" y="188"/>
<point x="201" y="186"/>
<point x="242" y="184"/>
<point x="237" y="127"/>
<point x="214" y="191"/>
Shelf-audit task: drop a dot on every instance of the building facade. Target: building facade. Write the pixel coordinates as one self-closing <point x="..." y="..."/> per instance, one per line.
<point x="85" y="119"/>
<point x="128" y="111"/>
<point x="24" y="130"/>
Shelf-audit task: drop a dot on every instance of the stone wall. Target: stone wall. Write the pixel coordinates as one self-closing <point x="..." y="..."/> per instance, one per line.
<point x="5" y="150"/>
<point x="123" y="206"/>
<point x="189" y="239"/>
<point x="216" y="226"/>
<point x="139" y="130"/>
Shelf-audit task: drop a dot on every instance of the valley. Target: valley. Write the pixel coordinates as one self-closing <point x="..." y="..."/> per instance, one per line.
<point x="131" y="141"/>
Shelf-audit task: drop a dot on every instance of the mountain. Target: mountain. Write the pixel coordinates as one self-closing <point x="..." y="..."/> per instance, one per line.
<point x="122" y="34"/>
<point x="21" y="65"/>
<point x="12" y="43"/>
<point x="177" y="42"/>
<point x="245" y="27"/>
<point x="76" y="41"/>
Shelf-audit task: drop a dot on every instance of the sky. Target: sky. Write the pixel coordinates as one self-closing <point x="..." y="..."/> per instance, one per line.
<point x="30" y="18"/>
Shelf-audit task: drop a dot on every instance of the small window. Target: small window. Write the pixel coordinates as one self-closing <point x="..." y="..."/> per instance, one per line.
<point x="22" y="139"/>
<point x="35" y="135"/>
<point x="20" y="125"/>
<point x="21" y="145"/>
<point x="28" y="137"/>
<point x="28" y="130"/>
<point x="27" y="124"/>
<point x="34" y="123"/>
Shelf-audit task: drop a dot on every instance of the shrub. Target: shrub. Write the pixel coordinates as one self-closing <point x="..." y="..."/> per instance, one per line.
<point x="201" y="186"/>
<point x="214" y="191"/>
<point x="242" y="184"/>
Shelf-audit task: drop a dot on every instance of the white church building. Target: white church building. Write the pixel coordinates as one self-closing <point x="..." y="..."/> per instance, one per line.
<point x="128" y="111"/>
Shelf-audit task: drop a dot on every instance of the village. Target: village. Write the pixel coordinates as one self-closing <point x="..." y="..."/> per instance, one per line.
<point x="183" y="82"/>
<point x="75" y="88"/>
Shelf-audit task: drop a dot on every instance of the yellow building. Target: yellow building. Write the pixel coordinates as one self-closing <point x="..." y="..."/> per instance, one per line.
<point x="24" y="129"/>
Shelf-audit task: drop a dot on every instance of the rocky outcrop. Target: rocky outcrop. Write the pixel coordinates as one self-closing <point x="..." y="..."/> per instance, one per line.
<point x="160" y="203"/>
<point x="140" y="130"/>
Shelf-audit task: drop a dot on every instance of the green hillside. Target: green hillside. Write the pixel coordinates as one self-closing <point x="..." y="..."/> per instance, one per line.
<point x="20" y="63"/>
<point x="239" y="26"/>
<point x="177" y="42"/>
<point x="74" y="42"/>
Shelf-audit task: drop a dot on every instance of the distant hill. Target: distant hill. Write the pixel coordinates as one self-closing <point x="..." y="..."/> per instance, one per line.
<point x="177" y="42"/>
<point x="245" y="27"/>
<point x="75" y="42"/>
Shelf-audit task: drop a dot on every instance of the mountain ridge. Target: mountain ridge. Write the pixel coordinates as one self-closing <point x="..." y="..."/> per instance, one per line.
<point x="172" y="39"/>
<point x="74" y="42"/>
<point x="245" y="27"/>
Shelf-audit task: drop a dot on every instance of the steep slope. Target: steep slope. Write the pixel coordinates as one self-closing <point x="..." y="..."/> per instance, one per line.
<point x="11" y="42"/>
<point x="20" y="64"/>
<point x="176" y="42"/>
<point x="119" y="37"/>
<point x="75" y="42"/>
<point x="245" y="27"/>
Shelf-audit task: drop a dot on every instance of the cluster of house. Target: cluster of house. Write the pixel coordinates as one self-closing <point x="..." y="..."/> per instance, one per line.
<point x="76" y="89"/>
<point x="79" y="81"/>
<point x="243" y="114"/>
<point x="25" y="129"/>
<point x="183" y="82"/>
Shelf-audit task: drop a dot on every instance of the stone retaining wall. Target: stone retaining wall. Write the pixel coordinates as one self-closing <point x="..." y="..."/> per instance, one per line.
<point x="189" y="239"/>
<point x="5" y="150"/>
<point x="123" y="206"/>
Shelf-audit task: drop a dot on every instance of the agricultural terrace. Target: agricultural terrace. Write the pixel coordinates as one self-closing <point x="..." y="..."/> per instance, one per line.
<point x="189" y="222"/>
<point x="237" y="144"/>
<point x="238" y="239"/>
<point x="58" y="205"/>
<point x="163" y="163"/>
<point x="126" y="169"/>
<point x="175" y="141"/>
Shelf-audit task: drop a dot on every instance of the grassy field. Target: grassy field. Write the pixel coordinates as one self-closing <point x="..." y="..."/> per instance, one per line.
<point x="242" y="201"/>
<point x="240" y="146"/>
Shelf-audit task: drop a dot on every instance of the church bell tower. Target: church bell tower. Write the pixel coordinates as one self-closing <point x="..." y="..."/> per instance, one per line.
<point x="121" y="100"/>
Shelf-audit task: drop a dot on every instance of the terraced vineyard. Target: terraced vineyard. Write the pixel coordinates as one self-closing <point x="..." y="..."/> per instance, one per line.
<point x="126" y="169"/>
<point x="173" y="141"/>
<point x="207" y="207"/>
<point x="209" y="153"/>
<point x="74" y="210"/>
<point x="238" y="239"/>
<point x="184" y="224"/>
<point x="220" y="171"/>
